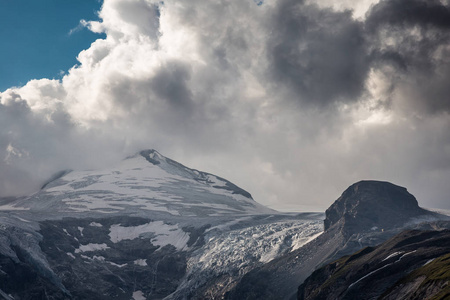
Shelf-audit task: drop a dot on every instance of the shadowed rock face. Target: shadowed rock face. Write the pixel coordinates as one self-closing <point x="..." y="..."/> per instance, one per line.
<point x="368" y="204"/>
<point x="412" y="265"/>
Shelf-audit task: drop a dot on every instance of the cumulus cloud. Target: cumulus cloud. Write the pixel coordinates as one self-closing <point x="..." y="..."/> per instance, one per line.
<point x="292" y="100"/>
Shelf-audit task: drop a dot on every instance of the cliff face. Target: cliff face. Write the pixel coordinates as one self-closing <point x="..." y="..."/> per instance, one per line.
<point x="369" y="204"/>
<point x="411" y="265"/>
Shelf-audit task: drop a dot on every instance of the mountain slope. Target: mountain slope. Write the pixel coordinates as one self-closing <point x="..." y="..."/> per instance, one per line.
<point x="431" y="281"/>
<point x="146" y="228"/>
<point x="411" y="265"/>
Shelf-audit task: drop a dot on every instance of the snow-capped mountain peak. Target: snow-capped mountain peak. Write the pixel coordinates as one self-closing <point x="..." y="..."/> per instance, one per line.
<point x="142" y="184"/>
<point x="146" y="227"/>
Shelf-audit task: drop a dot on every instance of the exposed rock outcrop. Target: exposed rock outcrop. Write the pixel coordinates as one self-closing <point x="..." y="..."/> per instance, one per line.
<point x="368" y="204"/>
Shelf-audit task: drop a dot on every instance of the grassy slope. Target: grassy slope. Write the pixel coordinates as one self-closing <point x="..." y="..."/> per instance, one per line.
<point x="436" y="272"/>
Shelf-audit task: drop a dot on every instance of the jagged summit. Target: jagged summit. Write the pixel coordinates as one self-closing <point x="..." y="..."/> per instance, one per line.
<point x="367" y="204"/>
<point x="176" y="168"/>
<point x="152" y="156"/>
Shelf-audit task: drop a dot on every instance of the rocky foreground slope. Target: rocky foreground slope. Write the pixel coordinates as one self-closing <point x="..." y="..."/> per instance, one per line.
<point x="411" y="265"/>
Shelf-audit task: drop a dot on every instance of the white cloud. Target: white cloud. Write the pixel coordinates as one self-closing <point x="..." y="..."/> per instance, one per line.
<point x="194" y="80"/>
<point x="359" y="8"/>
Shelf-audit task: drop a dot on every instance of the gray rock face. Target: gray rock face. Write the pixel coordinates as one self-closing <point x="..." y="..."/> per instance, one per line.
<point x="368" y="204"/>
<point x="92" y="266"/>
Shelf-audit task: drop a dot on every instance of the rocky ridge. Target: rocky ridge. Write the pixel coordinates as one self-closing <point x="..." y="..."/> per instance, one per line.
<point x="366" y="214"/>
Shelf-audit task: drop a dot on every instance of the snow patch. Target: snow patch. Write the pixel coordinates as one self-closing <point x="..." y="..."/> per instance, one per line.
<point x="408" y="253"/>
<point x="392" y="255"/>
<point x="102" y="259"/>
<point x="91" y="247"/>
<point x="71" y="255"/>
<point x="364" y="277"/>
<point x="138" y="295"/>
<point x="116" y="265"/>
<point x="99" y="258"/>
<point x="94" y="224"/>
<point x="162" y="234"/>
<point x="141" y="262"/>
<point x="12" y="207"/>
<point x="23" y="220"/>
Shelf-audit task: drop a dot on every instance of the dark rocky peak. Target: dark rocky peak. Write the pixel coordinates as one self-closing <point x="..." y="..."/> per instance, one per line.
<point x="152" y="156"/>
<point x="370" y="205"/>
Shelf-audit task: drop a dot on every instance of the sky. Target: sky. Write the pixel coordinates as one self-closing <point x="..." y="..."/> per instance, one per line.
<point x="41" y="39"/>
<point x="294" y="101"/>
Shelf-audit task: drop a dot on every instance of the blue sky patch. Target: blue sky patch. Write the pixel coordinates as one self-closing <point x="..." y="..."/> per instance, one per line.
<point x="35" y="39"/>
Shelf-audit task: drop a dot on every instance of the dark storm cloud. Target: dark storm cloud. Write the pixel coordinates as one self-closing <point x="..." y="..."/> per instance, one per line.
<point x="408" y="13"/>
<point x="418" y="35"/>
<point x="171" y="84"/>
<point x="319" y="53"/>
<point x="323" y="56"/>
